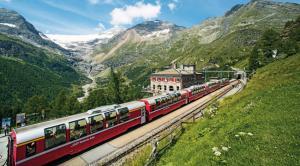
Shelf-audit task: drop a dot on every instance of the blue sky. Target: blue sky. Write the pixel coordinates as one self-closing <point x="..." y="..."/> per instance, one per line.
<point x="92" y="16"/>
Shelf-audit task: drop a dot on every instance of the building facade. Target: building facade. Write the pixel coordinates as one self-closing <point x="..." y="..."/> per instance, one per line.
<point x="175" y="79"/>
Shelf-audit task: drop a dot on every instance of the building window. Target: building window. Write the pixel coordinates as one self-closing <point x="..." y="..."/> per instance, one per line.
<point x="171" y="88"/>
<point x="165" y="87"/>
<point x="55" y="136"/>
<point x="177" y="87"/>
<point x="159" y="87"/>
<point x="30" y="149"/>
<point x="77" y="129"/>
<point x="153" y="87"/>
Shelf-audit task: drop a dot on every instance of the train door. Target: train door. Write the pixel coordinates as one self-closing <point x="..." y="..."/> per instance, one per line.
<point x="143" y="115"/>
<point x="10" y="146"/>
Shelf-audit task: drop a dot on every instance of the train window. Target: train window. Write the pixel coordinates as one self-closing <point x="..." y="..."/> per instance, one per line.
<point x="77" y="129"/>
<point x="30" y="149"/>
<point x="111" y="118"/>
<point x="96" y="123"/>
<point x="55" y="136"/>
<point x="124" y="114"/>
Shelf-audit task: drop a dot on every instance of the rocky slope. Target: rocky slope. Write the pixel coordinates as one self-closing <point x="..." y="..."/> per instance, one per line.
<point x="122" y="49"/>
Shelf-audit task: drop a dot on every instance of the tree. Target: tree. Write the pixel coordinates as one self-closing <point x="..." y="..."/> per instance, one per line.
<point x="253" y="60"/>
<point x="36" y="105"/>
<point x="58" y="104"/>
<point x="114" y="85"/>
<point x="270" y="41"/>
<point x="97" y="98"/>
<point x="71" y="105"/>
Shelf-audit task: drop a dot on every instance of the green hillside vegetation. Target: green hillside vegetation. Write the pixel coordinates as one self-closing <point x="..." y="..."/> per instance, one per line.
<point x="237" y="33"/>
<point x="27" y="71"/>
<point x="260" y="125"/>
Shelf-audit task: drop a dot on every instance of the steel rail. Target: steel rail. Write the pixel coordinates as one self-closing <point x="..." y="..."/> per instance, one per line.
<point x="136" y="144"/>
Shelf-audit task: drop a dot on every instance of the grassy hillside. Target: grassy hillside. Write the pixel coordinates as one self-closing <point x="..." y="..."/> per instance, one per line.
<point x="26" y="70"/>
<point x="259" y="126"/>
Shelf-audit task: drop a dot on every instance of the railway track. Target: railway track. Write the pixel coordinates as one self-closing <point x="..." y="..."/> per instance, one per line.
<point x="112" y="151"/>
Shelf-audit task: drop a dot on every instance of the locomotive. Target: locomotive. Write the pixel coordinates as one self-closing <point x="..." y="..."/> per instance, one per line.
<point x="46" y="142"/>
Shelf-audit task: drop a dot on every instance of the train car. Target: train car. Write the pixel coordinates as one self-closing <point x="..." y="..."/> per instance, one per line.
<point x="196" y="92"/>
<point x="224" y="82"/>
<point x="48" y="141"/>
<point x="45" y="142"/>
<point x="163" y="104"/>
<point x="213" y="85"/>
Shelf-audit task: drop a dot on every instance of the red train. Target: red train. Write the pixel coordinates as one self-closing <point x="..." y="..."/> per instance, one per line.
<point x="48" y="141"/>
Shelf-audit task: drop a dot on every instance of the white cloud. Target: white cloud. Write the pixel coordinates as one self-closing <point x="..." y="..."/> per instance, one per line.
<point x="102" y="1"/>
<point x="172" y="6"/>
<point x="127" y="14"/>
<point x="100" y="27"/>
<point x="5" y="0"/>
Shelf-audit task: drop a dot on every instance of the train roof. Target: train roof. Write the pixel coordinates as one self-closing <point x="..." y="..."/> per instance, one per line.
<point x="151" y="100"/>
<point x="133" y="105"/>
<point x="31" y="132"/>
<point x="103" y="109"/>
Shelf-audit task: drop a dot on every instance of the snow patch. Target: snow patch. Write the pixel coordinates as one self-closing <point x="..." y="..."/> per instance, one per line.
<point x="67" y="39"/>
<point x="9" y="25"/>
<point x="44" y="36"/>
<point x="158" y="33"/>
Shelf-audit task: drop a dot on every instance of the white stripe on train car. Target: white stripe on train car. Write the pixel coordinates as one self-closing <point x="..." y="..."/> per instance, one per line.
<point x="88" y="136"/>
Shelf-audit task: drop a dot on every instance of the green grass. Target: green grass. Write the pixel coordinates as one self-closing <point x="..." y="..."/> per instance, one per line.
<point x="268" y="108"/>
<point x="140" y="158"/>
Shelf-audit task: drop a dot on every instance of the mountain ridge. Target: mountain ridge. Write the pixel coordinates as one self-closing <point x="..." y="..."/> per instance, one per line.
<point x="15" y="25"/>
<point x="216" y="42"/>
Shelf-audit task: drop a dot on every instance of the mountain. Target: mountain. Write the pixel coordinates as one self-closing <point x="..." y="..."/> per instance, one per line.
<point x="15" y="25"/>
<point x="27" y="70"/>
<point x="216" y="42"/>
<point x="121" y="49"/>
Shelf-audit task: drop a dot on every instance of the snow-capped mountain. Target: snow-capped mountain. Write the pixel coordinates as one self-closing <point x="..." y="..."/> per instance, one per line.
<point x="13" y="24"/>
<point x="83" y="44"/>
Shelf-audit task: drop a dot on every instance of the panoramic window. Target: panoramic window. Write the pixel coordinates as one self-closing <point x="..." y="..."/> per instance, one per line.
<point x="96" y="123"/>
<point x="77" y="129"/>
<point x="55" y="136"/>
<point x="111" y="118"/>
<point x="30" y="149"/>
<point x="124" y="114"/>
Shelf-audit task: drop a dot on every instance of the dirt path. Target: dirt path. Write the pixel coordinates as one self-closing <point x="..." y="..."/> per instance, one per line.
<point x="87" y="87"/>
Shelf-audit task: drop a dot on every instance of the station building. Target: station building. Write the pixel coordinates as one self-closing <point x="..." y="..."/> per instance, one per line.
<point x="174" y="79"/>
